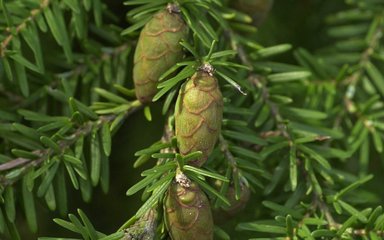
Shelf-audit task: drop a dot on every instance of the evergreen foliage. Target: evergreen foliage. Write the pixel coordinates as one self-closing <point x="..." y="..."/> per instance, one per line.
<point x="302" y="129"/>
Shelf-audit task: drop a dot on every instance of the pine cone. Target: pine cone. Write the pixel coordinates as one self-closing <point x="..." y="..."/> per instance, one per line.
<point x="157" y="50"/>
<point x="198" y="115"/>
<point x="187" y="213"/>
<point x="257" y="9"/>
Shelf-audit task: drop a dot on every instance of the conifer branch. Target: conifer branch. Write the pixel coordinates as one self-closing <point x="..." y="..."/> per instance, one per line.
<point x="365" y="58"/>
<point x="332" y="224"/>
<point x="323" y="207"/>
<point x="77" y="70"/>
<point x="273" y="140"/>
<point x="352" y="80"/>
<point x="259" y="82"/>
<point x="12" y="33"/>
<point x="240" y="50"/>
<point x="83" y="67"/>
<point x="366" y="55"/>
<point x="45" y="154"/>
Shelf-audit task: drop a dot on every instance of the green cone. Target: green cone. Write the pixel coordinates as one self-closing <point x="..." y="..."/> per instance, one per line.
<point x="187" y="213"/>
<point x="224" y="213"/>
<point x="198" y="115"/>
<point x="157" y="50"/>
<point x="237" y="205"/>
<point x="257" y="9"/>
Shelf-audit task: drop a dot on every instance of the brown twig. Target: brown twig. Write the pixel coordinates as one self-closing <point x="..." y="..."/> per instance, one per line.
<point x="76" y="71"/>
<point x="4" y="44"/>
<point x="365" y="56"/>
<point x="224" y="147"/>
<point x="168" y="134"/>
<point x="42" y="155"/>
<point x="11" y="97"/>
<point x="332" y="224"/>
<point x="259" y="82"/>
<point x="352" y="80"/>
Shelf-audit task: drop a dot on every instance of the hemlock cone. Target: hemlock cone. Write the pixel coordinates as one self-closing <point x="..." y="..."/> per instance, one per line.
<point x="188" y="213"/>
<point x="224" y="213"/>
<point x="157" y="50"/>
<point x="198" y="115"/>
<point x="237" y="204"/>
<point x="257" y="9"/>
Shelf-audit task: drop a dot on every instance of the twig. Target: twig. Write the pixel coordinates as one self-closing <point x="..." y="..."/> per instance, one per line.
<point x="332" y="224"/>
<point x="44" y="154"/>
<point x="76" y="71"/>
<point x="275" y="111"/>
<point x="352" y="80"/>
<point x="365" y="58"/>
<point x="325" y="209"/>
<point x="3" y="45"/>
<point x="82" y="67"/>
<point x="224" y="147"/>
<point x="228" y="155"/>
<point x="168" y="134"/>
<point x="260" y="83"/>
<point x="14" y="98"/>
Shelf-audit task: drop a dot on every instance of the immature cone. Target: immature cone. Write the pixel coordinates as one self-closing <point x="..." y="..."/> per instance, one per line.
<point x="257" y="9"/>
<point x="237" y="205"/>
<point x="157" y="50"/>
<point x="187" y="213"/>
<point x="198" y="114"/>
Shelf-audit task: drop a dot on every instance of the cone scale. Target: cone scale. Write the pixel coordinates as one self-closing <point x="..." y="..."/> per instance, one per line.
<point x="157" y="50"/>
